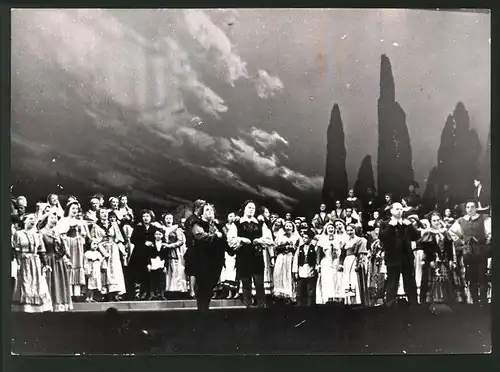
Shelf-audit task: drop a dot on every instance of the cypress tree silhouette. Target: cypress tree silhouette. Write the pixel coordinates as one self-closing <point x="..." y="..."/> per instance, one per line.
<point x="365" y="178"/>
<point x="394" y="163"/>
<point x="431" y="194"/>
<point x="335" y="183"/>
<point x="486" y="164"/>
<point x="458" y="154"/>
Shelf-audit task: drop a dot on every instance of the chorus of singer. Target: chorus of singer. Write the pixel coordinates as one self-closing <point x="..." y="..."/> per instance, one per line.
<point x="362" y="252"/>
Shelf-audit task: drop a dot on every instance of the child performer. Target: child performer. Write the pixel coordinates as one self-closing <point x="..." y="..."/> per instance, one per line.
<point x="304" y="270"/>
<point x="158" y="255"/>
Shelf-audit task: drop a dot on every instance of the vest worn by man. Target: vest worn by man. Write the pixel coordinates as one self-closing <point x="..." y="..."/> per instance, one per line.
<point x="474" y="232"/>
<point x="310" y="259"/>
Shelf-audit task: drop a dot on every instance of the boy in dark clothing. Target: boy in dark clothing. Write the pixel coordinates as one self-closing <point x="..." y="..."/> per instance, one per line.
<point x="158" y="257"/>
<point x="304" y="270"/>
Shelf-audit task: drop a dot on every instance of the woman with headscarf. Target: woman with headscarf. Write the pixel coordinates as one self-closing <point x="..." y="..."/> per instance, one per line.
<point x="207" y="256"/>
<point x="58" y="259"/>
<point x="353" y="262"/>
<point x="108" y="235"/>
<point x="328" y="248"/>
<point x="176" y="280"/>
<point x="142" y="240"/>
<point x="250" y="256"/>
<point x="286" y="245"/>
<point x="31" y="293"/>
<point x="53" y="203"/>
<point x="73" y="233"/>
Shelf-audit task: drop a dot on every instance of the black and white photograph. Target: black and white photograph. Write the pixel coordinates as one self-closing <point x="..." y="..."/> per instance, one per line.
<point x="268" y="181"/>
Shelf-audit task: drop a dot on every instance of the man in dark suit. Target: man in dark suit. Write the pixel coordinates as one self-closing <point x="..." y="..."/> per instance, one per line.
<point x="396" y="236"/>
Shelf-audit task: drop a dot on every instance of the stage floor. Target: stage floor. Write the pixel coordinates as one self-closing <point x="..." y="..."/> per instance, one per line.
<point x="327" y="329"/>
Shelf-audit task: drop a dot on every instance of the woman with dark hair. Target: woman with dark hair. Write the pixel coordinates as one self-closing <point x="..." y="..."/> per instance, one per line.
<point x="142" y="240"/>
<point x="353" y="202"/>
<point x="31" y="293"/>
<point x="438" y="265"/>
<point x="73" y="233"/>
<point x="176" y="280"/>
<point x="107" y="235"/>
<point x="188" y="226"/>
<point x="207" y="257"/>
<point x="58" y="278"/>
<point x="250" y="256"/>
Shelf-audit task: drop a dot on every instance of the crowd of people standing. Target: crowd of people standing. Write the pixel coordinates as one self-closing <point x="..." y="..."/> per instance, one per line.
<point x="362" y="252"/>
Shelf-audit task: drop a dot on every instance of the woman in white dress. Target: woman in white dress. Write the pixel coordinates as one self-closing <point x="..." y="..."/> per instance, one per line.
<point x="228" y="274"/>
<point x="352" y="258"/>
<point x="328" y="249"/>
<point x="176" y="280"/>
<point x="286" y="245"/>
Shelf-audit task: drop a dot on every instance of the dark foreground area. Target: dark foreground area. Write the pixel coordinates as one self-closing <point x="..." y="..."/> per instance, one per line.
<point x="325" y="329"/>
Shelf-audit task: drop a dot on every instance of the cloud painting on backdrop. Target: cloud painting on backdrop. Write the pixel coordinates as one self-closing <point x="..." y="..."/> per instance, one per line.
<point x="171" y="105"/>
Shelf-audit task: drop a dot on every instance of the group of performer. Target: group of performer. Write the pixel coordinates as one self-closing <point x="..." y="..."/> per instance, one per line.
<point x="360" y="253"/>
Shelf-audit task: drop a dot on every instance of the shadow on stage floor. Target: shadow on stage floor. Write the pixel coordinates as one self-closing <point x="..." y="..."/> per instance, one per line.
<point x="290" y="330"/>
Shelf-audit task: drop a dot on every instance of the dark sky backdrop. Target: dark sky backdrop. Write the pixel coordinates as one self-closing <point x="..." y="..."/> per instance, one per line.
<point x="170" y="105"/>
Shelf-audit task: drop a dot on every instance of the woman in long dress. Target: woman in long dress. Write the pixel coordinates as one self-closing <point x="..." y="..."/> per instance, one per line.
<point x="286" y="245"/>
<point x="378" y="270"/>
<point x="58" y="278"/>
<point x="353" y="260"/>
<point x="228" y="275"/>
<point x="176" y="280"/>
<point x="268" y="249"/>
<point x="328" y="248"/>
<point x="108" y="235"/>
<point x="438" y="248"/>
<point x="31" y="293"/>
<point x="73" y="233"/>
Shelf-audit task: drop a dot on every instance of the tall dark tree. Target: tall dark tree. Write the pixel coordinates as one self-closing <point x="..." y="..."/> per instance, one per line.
<point x="394" y="163"/>
<point x="335" y="184"/>
<point x="365" y="178"/>
<point x="486" y="163"/>
<point x="431" y="194"/>
<point x="459" y="154"/>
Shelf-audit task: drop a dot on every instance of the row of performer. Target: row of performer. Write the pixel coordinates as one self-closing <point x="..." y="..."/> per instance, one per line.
<point x="60" y="257"/>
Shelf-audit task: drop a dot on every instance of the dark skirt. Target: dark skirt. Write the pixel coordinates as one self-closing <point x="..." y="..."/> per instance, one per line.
<point x="441" y="286"/>
<point x="59" y="283"/>
<point x="376" y="280"/>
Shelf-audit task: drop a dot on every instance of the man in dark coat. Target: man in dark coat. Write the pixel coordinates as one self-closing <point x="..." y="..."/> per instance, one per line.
<point x="396" y="236"/>
<point x="142" y="240"/>
<point x="482" y="197"/>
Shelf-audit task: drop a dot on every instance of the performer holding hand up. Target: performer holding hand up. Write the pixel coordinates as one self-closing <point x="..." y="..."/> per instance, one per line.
<point x="207" y="256"/>
<point x="396" y="236"/>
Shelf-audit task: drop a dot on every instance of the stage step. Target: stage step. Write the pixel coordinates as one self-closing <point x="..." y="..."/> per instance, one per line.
<point x="154" y="305"/>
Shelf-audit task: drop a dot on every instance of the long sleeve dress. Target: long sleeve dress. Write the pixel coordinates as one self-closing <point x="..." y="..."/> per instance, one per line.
<point x="108" y="237"/>
<point x="438" y="250"/>
<point x="31" y="293"/>
<point x="328" y="287"/>
<point x="73" y="235"/>
<point x="58" y="279"/>
<point x="176" y="280"/>
<point x="353" y="284"/>
<point x="284" y="285"/>
<point x="228" y="275"/>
